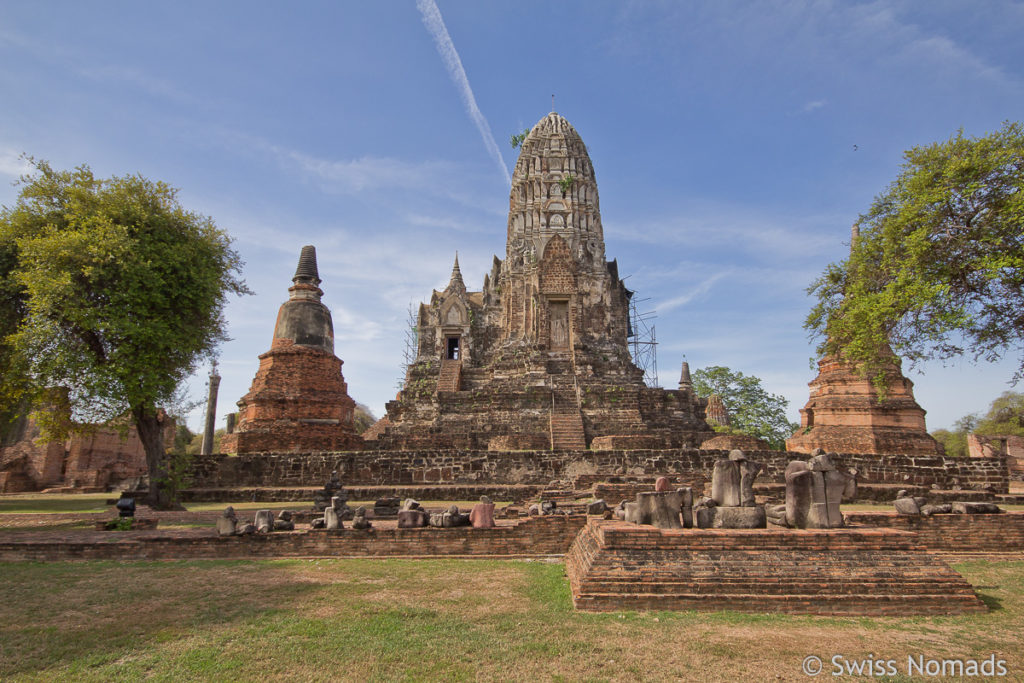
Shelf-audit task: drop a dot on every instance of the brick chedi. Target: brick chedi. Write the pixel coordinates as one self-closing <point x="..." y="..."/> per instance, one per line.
<point x="538" y="358"/>
<point x="844" y="415"/>
<point x="298" y="400"/>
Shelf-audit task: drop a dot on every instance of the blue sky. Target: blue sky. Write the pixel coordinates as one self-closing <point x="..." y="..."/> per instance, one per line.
<point x="734" y="145"/>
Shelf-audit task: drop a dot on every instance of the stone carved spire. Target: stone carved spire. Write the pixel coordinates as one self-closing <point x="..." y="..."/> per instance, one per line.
<point x="554" y="190"/>
<point x="455" y="284"/>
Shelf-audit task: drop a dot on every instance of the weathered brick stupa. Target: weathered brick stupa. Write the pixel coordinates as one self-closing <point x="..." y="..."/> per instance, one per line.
<point x="298" y="400"/>
<point x="844" y="415"/>
<point x="538" y="359"/>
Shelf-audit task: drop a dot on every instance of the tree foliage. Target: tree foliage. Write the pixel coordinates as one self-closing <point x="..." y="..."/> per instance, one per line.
<point x="116" y="293"/>
<point x="937" y="270"/>
<point x="752" y="410"/>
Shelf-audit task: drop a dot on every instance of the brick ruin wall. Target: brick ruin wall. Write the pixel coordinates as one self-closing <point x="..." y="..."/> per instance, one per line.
<point x="418" y="467"/>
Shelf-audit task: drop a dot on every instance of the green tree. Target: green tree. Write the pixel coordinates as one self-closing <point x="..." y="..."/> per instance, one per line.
<point x="363" y="418"/>
<point x="752" y="410"/>
<point x="937" y="269"/>
<point x="118" y="293"/>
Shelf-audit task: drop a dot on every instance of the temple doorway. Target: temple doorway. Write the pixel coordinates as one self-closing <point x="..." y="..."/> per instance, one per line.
<point x="559" y="325"/>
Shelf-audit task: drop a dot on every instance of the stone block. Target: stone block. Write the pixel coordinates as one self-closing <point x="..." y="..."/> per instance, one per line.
<point x="721" y="517"/>
<point x="225" y="526"/>
<point x="412" y="519"/>
<point x="660" y="509"/>
<point x="907" y="506"/>
<point x="969" y="508"/>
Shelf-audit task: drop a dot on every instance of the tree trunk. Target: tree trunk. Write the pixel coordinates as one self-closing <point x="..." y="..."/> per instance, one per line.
<point x="151" y="434"/>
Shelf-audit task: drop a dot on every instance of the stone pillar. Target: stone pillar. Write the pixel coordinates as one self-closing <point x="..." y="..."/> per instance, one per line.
<point x="211" y="412"/>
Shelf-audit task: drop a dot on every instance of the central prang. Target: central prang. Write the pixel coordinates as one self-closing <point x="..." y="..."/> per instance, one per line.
<point x="538" y="359"/>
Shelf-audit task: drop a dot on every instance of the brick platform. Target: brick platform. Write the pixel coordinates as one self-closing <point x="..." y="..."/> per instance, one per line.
<point x="869" y="572"/>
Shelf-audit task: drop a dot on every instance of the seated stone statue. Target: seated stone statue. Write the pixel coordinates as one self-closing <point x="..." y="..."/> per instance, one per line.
<point x="732" y="504"/>
<point x="227" y="522"/>
<point x="482" y="514"/>
<point x="264" y="522"/>
<point x="814" y="490"/>
<point x="359" y="520"/>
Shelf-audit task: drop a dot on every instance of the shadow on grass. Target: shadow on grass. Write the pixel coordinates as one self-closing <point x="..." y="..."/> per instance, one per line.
<point x="60" y="614"/>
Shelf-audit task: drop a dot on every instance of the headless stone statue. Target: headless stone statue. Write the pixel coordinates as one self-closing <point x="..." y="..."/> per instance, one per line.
<point x="814" y="490"/>
<point x="264" y="522"/>
<point x="227" y="522"/>
<point x="482" y="514"/>
<point x="732" y="504"/>
<point x="332" y="520"/>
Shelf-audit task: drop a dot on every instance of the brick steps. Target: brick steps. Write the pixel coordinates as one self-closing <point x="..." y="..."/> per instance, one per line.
<point x="613" y="566"/>
<point x="816" y="604"/>
<point x="450" y="377"/>
<point x="567" y="431"/>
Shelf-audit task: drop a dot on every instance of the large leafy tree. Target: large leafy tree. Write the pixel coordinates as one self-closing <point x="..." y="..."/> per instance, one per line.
<point x="115" y="294"/>
<point x="752" y="410"/>
<point x="937" y="269"/>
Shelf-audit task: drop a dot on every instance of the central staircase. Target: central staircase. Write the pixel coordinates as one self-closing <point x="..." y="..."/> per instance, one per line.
<point x="450" y="378"/>
<point x="566" y="419"/>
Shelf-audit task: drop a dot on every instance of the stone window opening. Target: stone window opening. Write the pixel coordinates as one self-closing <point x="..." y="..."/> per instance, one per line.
<point x="452" y="348"/>
<point x="810" y="417"/>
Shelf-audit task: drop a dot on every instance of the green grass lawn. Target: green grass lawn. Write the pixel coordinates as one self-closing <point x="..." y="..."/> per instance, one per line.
<point x="386" y="620"/>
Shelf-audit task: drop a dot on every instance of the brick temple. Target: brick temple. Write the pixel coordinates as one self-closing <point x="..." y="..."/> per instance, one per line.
<point x="538" y="358"/>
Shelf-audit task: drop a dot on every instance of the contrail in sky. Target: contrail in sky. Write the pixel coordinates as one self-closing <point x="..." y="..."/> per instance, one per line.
<point x="435" y="24"/>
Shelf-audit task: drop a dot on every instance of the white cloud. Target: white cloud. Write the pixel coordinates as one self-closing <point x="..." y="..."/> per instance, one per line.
<point x="11" y="164"/>
<point x="446" y="48"/>
<point x="815" y="104"/>
<point x="700" y="290"/>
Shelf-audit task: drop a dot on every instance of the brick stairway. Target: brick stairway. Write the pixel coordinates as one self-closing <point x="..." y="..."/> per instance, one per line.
<point x="450" y="378"/>
<point x="871" y="572"/>
<point x="567" y="431"/>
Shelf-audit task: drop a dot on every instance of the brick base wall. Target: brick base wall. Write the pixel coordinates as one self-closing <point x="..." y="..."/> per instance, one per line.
<point x="381" y="468"/>
<point x="953" y="533"/>
<point x="535" y="537"/>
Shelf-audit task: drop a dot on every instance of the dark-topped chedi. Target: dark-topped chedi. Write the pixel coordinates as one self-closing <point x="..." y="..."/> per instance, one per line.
<point x="298" y="400"/>
<point x="538" y="358"/>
